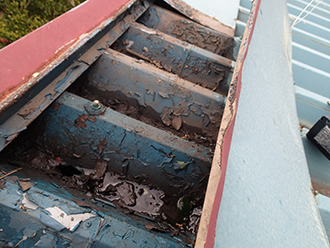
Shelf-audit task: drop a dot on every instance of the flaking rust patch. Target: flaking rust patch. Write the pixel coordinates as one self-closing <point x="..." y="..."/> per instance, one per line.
<point x="80" y="121"/>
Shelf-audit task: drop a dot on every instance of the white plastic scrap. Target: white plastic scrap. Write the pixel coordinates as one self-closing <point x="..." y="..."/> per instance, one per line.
<point x="68" y="221"/>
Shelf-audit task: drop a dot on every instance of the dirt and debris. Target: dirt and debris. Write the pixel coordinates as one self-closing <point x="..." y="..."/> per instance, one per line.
<point x="182" y="28"/>
<point x="200" y="36"/>
<point x="101" y="145"/>
<point x="150" y="227"/>
<point x="194" y="219"/>
<point x="130" y="197"/>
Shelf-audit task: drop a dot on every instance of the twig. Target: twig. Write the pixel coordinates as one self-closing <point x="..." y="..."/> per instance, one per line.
<point x="137" y="55"/>
<point x="9" y="173"/>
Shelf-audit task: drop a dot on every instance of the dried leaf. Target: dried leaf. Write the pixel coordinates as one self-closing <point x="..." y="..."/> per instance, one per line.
<point x="72" y="3"/>
<point x="86" y="204"/>
<point x="177" y="122"/>
<point x="25" y="185"/>
<point x="150" y="227"/>
<point x="12" y="178"/>
<point x="2" y="184"/>
<point x="166" y="120"/>
<point x="101" y="145"/>
<point x="100" y="168"/>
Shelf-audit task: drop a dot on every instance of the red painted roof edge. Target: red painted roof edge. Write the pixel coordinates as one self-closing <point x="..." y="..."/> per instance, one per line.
<point x="35" y="51"/>
<point x="211" y="233"/>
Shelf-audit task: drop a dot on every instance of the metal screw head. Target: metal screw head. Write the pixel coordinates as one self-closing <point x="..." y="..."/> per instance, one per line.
<point x="96" y="105"/>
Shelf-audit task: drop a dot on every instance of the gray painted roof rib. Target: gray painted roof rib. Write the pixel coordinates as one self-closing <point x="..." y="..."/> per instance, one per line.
<point x="318" y="10"/>
<point x="311" y="60"/>
<point x="310" y="56"/>
<point x="312" y="27"/>
<point x="302" y="73"/>
<point x="310" y="40"/>
<point x="313" y="17"/>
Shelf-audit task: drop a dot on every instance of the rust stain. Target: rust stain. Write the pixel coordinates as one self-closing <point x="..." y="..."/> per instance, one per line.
<point x="92" y="118"/>
<point x="80" y="121"/>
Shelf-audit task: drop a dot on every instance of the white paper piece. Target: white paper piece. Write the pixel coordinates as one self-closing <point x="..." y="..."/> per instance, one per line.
<point x="69" y="221"/>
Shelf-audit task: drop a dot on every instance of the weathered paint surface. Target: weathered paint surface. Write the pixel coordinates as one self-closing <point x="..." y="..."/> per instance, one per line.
<point x="23" y="227"/>
<point x="118" y="76"/>
<point x="200" y="17"/>
<point x="264" y="187"/>
<point x="186" y="30"/>
<point x="189" y="62"/>
<point x="132" y="147"/>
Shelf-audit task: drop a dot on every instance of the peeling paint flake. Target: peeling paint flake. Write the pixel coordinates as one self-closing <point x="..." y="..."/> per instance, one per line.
<point x="70" y="222"/>
<point x="27" y="204"/>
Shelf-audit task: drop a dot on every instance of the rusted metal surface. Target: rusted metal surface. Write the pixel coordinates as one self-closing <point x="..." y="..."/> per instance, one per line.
<point x="131" y="147"/>
<point x="200" y="17"/>
<point x="116" y="76"/>
<point x="186" y="30"/>
<point x="33" y="227"/>
<point x="19" y="121"/>
<point x="188" y="61"/>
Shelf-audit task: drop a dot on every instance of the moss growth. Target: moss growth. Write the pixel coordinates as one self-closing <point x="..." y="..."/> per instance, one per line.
<point x="20" y="17"/>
